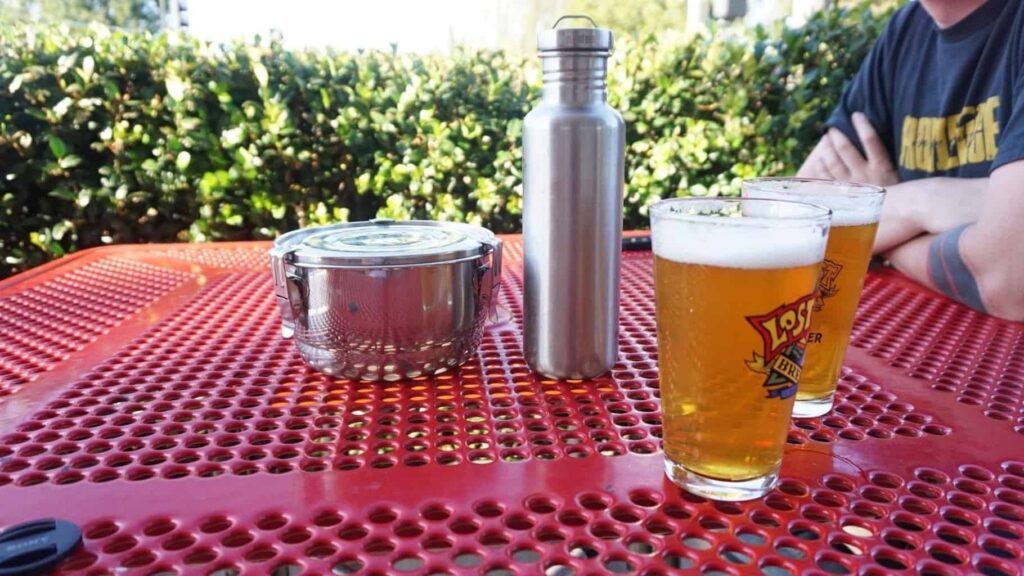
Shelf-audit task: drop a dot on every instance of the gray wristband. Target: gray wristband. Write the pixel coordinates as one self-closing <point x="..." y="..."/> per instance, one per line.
<point x="949" y="272"/>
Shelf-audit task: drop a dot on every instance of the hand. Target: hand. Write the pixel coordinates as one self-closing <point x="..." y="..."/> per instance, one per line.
<point x="899" y="222"/>
<point x="836" y="158"/>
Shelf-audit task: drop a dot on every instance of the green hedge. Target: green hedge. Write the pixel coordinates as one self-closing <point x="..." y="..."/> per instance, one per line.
<point x="109" y="137"/>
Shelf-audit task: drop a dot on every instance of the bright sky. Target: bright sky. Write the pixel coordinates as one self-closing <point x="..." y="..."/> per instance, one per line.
<point x="415" y="25"/>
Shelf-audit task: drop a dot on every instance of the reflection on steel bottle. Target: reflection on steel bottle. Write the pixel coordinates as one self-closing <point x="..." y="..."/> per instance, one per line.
<point x="573" y="153"/>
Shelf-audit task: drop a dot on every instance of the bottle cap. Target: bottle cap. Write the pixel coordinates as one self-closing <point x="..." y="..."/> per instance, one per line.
<point x="591" y="39"/>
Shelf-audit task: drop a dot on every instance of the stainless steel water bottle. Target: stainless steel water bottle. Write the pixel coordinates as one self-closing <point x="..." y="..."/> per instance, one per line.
<point x="573" y="155"/>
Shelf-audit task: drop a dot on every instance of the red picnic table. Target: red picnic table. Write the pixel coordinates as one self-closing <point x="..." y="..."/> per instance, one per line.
<point x="146" y="395"/>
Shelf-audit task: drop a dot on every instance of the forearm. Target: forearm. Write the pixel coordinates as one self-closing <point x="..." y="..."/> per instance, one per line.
<point x="998" y="287"/>
<point x="979" y="264"/>
<point x="928" y="206"/>
<point x="911" y="258"/>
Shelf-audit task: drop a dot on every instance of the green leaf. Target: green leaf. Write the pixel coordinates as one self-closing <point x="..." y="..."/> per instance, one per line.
<point x="110" y="90"/>
<point x="16" y="83"/>
<point x="61" y="108"/>
<point x="232" y="137"/>
<point x="260" y="71"/>
<point x="175" y="87"/>
<point x="69" y="161"/>
<point x="59" y="229"/>
<point x="63" y="194"/>
<point x="57" y="146"/>
<point x="183" y="160"/>
<point x="88" y="66"/>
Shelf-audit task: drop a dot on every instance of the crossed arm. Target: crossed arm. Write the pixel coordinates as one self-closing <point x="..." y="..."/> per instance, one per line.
<point x="990" y="247"/>
<point x="920" y="231"/>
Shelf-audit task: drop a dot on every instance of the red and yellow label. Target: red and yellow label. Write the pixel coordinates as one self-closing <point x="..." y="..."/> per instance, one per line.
<point x="783" y="333"/>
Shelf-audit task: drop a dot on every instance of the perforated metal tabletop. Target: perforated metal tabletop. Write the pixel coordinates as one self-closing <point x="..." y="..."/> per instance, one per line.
<point x="146" y="394"/>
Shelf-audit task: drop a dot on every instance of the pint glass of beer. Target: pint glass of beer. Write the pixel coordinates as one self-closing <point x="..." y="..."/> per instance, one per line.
<point x="855" y="212"/>
<point x="734" y="286"/>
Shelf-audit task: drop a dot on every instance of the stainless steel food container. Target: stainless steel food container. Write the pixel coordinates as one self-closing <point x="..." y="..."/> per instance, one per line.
<point x="385" y="299"/>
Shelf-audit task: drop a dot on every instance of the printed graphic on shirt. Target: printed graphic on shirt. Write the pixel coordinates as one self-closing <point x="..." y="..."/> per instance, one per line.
<point x="938" y="143"/>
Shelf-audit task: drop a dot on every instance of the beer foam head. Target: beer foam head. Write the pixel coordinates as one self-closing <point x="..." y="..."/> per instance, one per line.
<point x="756" y="236"/>
<point x="851" y="204"/>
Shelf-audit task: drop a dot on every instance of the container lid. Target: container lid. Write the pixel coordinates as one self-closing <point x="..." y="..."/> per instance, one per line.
<point x="37" y="547"/>
<point x="592" y="39"/>
<point x="285" y="242"/>
<point x="385" y="242"/>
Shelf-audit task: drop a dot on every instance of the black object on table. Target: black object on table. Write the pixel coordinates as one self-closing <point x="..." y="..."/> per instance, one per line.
<point x="37" y="547"/>
<point x="636" y="243"/>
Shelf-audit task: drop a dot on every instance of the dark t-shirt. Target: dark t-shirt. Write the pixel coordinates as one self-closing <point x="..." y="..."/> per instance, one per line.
<point x="945" y="102"/>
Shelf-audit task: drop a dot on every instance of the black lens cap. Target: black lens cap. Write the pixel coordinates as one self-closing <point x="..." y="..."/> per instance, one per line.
<point x="636" y="243"/>
<point x="37" y="547"/>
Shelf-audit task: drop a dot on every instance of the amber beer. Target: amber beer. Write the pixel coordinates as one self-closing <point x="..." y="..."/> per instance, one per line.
<point x="734" y="289"/>
<point x="856" y="209"/>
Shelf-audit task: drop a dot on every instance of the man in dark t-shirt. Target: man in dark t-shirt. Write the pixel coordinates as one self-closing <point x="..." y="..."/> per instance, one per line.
<point x="936" y="114"/>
